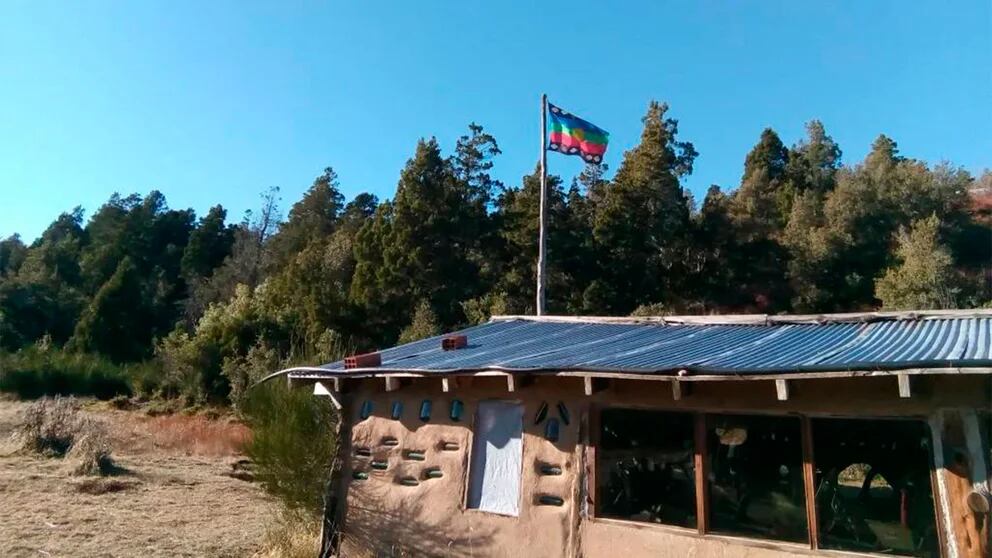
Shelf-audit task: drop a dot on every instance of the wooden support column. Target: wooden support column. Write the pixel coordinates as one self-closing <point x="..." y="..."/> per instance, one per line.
<point x="809" y="483"/>
<point x="782" y="390"/>
<point x="680" y="389"/>
<point x="449" y="384"/>
<point x="702" y="475"/>
<point x="592" y="483"/>
<point x="594" y="385"/>
<point x="905" y="390"/>
<point x="392" y="384"/>
<point x="960" y="472"/>
<point x="514" y="383"/>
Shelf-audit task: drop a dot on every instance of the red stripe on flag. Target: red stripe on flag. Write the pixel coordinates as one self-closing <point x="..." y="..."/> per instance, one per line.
<point x="567" y="142"/>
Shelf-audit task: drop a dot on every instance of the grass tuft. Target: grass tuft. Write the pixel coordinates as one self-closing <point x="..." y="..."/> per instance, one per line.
<point x="291" y="537"/>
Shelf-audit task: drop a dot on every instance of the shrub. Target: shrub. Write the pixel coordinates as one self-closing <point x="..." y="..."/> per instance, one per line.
<point x="294" y="437"/>
<point x="55" y="428"/>
<point x="35" y="372"/>
<point x="49" y="426"/>
<point x="90" y="451"/>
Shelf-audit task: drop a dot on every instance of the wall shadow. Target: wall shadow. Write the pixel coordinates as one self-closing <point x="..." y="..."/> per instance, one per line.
<point x="384" y="523"/>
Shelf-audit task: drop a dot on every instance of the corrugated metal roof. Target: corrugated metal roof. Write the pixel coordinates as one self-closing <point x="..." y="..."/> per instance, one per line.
<point x="736" y="345"/>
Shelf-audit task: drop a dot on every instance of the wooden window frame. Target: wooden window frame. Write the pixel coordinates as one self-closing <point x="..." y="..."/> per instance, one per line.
<point x="701" y="462"/>
<point x="592" y="473"/>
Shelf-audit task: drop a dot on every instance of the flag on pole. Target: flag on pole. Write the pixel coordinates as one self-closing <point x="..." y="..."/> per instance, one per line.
<point x="570" y="135"/>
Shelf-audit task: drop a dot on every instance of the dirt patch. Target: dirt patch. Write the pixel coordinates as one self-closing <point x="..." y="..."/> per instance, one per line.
<point x="173" y="498"/>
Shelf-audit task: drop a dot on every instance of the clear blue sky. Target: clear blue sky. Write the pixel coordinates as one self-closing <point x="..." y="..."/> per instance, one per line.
<point x="215" y="101"/>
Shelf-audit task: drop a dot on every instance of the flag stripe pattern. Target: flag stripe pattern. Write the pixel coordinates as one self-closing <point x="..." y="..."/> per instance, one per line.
<point x="570" y="135"/>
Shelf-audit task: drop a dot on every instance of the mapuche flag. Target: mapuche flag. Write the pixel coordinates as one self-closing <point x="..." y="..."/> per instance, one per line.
<point x="570" y="135"/>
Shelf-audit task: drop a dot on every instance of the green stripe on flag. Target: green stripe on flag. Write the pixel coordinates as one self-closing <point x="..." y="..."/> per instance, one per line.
<point x="587" y="135"/>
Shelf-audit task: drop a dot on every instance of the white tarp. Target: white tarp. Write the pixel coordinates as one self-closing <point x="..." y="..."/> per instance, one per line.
<point x="497" y="455"/>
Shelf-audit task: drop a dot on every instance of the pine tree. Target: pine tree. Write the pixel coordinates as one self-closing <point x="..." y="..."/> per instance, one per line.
<point x="814" y="161"/>
<point x="419" y="247"/>
<point x="640" y="227"/>
<point x="117" y="322"/>
<point x="208" y="245"/>
<point x="518" y="212"/>
<point x="315" y="216"/>
<point x="12" y="254"/>
<point x="761" y="203"/>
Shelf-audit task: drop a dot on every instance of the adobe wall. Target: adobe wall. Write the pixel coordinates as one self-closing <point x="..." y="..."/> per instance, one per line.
<point x="430" y="519"/>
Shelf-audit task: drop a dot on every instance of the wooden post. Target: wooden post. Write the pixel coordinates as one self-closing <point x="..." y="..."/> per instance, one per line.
<point x="959" y="468"/>
<point x="702" y="475"/>
<point x="680" y="389"/>
<point x="542" y="250"/>
<point x="904" y="386"/>
<point x="449" y="384"/>
<point x="593" y="385"/>
<point x="782" y="390"/>
<point x="392" y="384"/>
<point x="809" y="483"/>
<point x="592" y="444"/>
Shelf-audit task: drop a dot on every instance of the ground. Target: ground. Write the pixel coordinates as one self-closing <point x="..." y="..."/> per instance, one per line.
<point x="176" y="495"/>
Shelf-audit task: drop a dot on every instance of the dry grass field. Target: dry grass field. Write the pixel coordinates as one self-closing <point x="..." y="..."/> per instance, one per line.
<point x="176" y="495"/>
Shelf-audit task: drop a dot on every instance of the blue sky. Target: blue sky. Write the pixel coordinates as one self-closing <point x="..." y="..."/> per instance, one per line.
<point x="215" y="101"/>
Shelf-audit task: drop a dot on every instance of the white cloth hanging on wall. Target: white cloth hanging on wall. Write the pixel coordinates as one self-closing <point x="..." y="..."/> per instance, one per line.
<point x="497" y="458"/>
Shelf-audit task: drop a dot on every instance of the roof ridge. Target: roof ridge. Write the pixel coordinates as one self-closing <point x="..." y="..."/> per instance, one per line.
<point x="760" y="319"/>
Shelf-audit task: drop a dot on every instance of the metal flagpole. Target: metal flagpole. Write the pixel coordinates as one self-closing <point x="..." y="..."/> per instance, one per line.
<point x="543" y="224"/>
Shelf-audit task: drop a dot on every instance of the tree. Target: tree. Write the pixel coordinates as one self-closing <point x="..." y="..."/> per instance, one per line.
<point x="518" y="213"/>
<point x="314" y="216"/>
<point x="117" y="322"/>
<point x="246" y="265"/>
<point x="924" y="277"/>
<point x="640" y="226"/>
<point x="12" y="254"/>
<point x="423" y="325"/>
<point x="419" y="248"/>
<point x="713" y="244"/>
<point x="209" y="244"/>
<point x="814" y="161"/>
<point x="45" y="296"/>
<point x="762" y="202"/>
<point x="472" y="161"/>
<point x="55" y="257"/>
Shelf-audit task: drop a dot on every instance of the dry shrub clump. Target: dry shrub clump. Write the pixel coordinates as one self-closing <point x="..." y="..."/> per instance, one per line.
<point x="56" y="428"/>
<point x="293" y="536"/>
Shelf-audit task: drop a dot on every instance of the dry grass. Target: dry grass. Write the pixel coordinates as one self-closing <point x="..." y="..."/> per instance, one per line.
<point x="291" y="538"/>
<point x="184" y="434"/>
<point x="175" y="498"/>
<point x="97" y="486"/>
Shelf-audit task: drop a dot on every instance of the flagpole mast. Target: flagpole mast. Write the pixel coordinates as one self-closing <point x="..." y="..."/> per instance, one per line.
<point x="542" y="250"/>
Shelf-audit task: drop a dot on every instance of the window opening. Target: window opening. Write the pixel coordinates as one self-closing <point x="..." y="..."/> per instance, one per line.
<point x="551" y="430"/>
<point x="756" y="477"/>
<point x="873" y="487"/>
<point x="457" y="408"/>
<point x="366" y="411"/>
<point x="645" y="467"/>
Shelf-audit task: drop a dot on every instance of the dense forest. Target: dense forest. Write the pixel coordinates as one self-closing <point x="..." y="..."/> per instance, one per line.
<point x="196" y="308"/>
